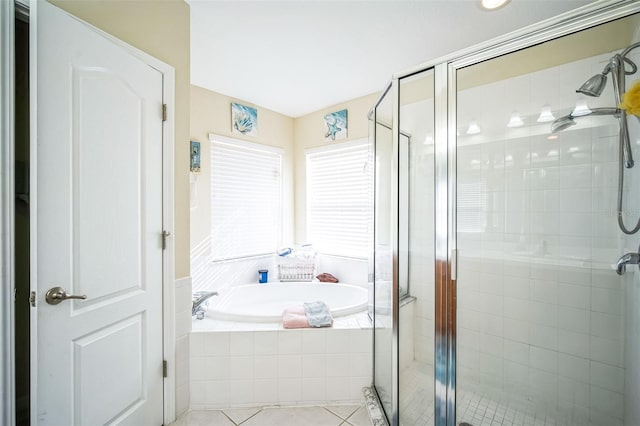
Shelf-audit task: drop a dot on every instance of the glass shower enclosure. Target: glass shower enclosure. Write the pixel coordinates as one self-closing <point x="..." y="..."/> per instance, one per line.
<point x="505" y="289"/>
<point x="403" y="202"/>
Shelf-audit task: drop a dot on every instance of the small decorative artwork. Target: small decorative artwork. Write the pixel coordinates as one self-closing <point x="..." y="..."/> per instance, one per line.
<point x="336" y="125"/>
<point x="195" y="156"/>
<point x="244" y="120"/>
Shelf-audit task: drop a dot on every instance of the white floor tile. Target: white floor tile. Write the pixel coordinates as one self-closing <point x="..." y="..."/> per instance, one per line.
<point x="359" y="418"/>
<point x="239" y="415"/>
<point x="333" y="415"/>
<point x="203" y="418"/>
<point x="343" y="411"/>
<point x="294" y="416"/>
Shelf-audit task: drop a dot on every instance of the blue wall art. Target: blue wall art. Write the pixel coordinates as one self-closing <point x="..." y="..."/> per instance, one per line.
<point x="336" y="125"/>
<point x="195" y="157"/>
<point x="244" y="120"/>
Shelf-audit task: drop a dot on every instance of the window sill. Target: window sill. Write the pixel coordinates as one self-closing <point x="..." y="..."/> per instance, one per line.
<point x="341" y="256"/>
<point x="241" y="258"/>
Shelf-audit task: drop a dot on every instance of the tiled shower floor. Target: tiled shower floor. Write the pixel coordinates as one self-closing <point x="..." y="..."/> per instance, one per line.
<point x="473" y="409"/>
<point x="416" y="395"/>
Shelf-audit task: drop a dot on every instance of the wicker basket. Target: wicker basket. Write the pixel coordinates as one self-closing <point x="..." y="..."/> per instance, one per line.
<point x="295" y="269"/>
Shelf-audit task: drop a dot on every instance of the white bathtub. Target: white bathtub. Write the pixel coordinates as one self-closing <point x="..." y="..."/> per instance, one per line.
<point x="265" y="302"/>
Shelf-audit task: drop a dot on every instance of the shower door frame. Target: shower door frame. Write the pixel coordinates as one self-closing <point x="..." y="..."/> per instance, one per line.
<point x="445" y="148"/>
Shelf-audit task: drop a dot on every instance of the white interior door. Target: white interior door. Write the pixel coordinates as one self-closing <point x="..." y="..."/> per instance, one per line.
<point x="99" y="226"/>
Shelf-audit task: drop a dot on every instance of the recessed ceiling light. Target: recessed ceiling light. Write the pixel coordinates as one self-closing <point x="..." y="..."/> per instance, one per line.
<point x="493" y="4"/>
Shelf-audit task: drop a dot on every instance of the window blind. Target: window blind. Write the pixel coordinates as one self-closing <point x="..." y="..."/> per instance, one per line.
<point x="471" y="213"/>
<point x="245" y="199"/>
<point x="339" y="199"/>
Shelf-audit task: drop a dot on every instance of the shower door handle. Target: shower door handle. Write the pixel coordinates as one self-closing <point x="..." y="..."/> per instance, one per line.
<point x="56" y="295"/>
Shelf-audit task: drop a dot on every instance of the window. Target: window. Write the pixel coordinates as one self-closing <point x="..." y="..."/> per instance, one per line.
<point x="245" y="198"/>
<point x="472" y="206"/>
<point x="339" y="198"/>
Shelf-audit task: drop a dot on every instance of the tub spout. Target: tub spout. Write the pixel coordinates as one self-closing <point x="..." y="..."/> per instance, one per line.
<point x="199" y="298"/>
<point x="627" y="259"/>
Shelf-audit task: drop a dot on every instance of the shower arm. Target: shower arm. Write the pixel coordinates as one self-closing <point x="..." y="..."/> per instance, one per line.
<point x="616" y="112"/>
<point x="600" y="111"/>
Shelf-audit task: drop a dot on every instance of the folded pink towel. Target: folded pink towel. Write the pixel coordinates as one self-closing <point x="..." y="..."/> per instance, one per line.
<point x="294" y="317"/>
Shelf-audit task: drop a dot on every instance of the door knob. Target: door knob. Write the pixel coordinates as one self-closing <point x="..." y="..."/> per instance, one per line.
<point x="56" y="295"/>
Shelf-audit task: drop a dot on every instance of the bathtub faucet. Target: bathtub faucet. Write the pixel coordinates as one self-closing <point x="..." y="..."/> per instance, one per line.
<point x="627" y="259"/>
<point x="199" y="297"/>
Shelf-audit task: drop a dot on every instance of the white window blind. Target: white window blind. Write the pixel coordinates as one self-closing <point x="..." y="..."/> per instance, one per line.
<point x="245" y="199"/>
<point x="471" y="213"/>
<point x="339" y="199"/>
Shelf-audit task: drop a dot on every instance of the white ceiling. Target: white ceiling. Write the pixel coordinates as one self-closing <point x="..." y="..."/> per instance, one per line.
<point x="297" y="57"/>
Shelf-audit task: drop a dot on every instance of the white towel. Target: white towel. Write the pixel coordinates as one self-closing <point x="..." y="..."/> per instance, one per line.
<point x="318" y="314"/>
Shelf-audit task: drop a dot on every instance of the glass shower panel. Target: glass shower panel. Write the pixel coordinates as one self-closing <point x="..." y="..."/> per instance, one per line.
<point x="383" y="254"/>
<point x="416" y="244"/>
<point x="541" y="314"/>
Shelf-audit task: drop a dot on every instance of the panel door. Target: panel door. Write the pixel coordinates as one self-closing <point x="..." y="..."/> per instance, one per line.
<point x="98" y="227"/>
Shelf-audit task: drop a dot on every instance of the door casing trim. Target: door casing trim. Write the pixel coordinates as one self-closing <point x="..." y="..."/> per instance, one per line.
<point x="7" y="282"/>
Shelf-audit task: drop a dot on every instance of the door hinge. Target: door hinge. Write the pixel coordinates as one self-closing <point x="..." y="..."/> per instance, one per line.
<point x="164" y="112"/>
<point x="164" y="368"/>
<point x="165" y="235"/>
<point x="32" y="299"/>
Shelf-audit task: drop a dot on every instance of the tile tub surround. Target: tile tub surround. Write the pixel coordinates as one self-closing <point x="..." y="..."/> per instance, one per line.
<point x="244" y="368"/>
<point x="183" y="330"/>
<point x="222" y="275"/>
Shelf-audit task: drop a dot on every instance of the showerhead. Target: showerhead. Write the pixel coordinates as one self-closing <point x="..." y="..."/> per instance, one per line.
<point x="562" y="123"/>
<point x="595" y="85"/>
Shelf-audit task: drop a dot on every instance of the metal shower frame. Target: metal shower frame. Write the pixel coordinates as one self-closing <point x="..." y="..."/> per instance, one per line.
<point x="445" y="69"/>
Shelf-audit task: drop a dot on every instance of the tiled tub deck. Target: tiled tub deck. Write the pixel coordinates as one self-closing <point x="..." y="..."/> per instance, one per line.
<point x="258" y="364"/>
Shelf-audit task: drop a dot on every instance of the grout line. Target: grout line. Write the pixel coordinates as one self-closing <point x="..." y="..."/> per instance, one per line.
<point x="335" y="414"/>
<point x="353" y="414"/>
<point x="343" y="418"/>
<point x="230" y="419"/>
<point x="250" y="417"/>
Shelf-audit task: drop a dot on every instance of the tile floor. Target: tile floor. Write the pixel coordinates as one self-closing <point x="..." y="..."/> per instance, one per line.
<point x="338" y="415"/>
<point x="416" y="395"/>
<point x="472" y="407"/>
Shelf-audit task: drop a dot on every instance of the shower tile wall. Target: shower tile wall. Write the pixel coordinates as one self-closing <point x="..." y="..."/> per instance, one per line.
<point x="541" y="312"/>
<point x="421" y="248"/>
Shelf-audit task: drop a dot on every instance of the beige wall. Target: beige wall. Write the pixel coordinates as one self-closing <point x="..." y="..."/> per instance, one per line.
<point x="309" y="132"/>
<point x="211" y="113"/>
<point x="161" y="29"/>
